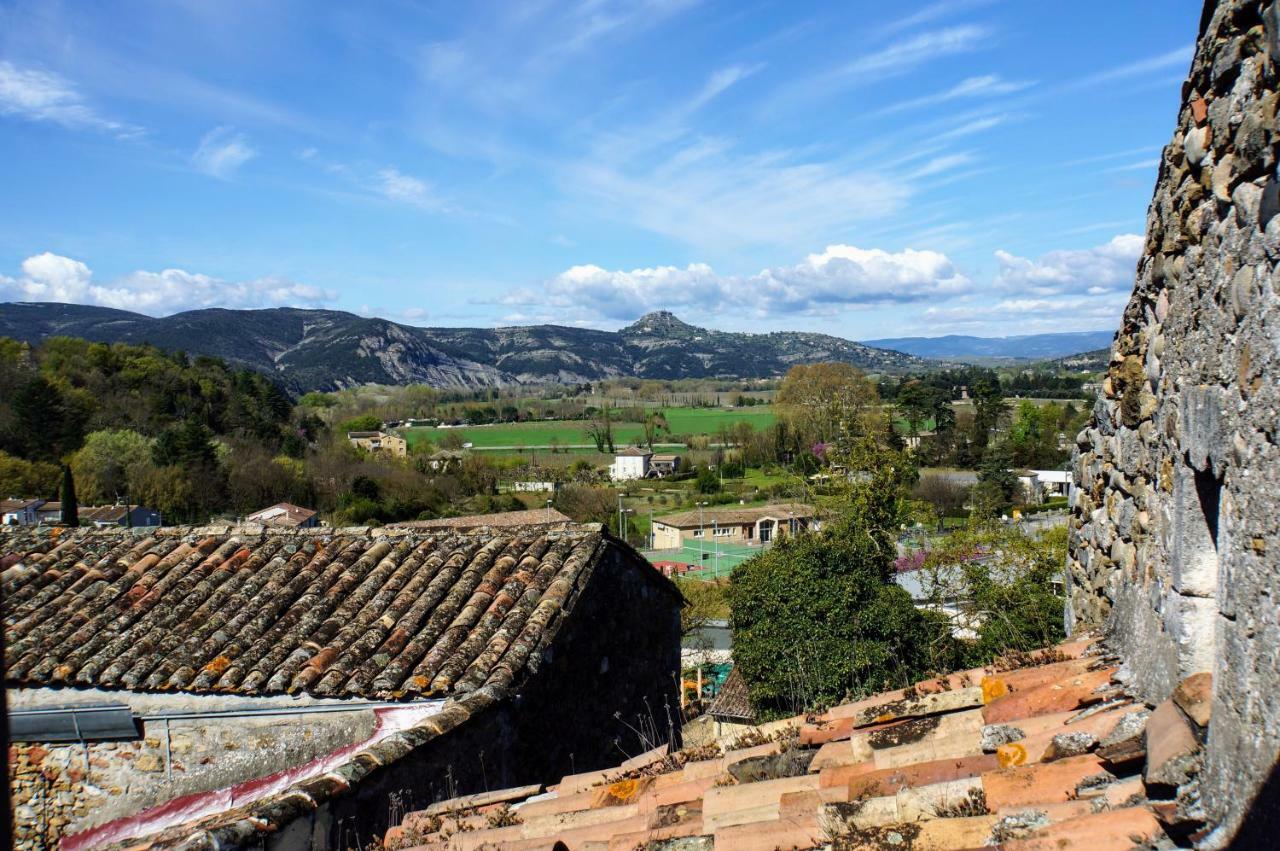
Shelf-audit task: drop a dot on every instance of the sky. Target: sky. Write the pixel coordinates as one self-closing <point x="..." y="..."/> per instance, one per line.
<point x="865" y="169"/>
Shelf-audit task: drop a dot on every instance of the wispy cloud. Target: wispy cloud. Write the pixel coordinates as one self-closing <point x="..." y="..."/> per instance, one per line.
<point x="719" y="82"/>
<point x="1142" y="165"/>
<point x="385" y="182"/>
<point x="985" y="86"/>
<point x="929" y="14"/>
<point x="51" y="277"/>
<point x="1114" y="155"/>
<point x="902" y="56"/>
<point x="1178" y="58"/>
<point x="221" y="152"/>
<point x="37" y="95"/>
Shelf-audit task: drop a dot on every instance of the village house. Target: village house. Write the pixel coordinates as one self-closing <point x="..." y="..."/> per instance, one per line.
<point x="220" y="688"/>
<point x="664" y="464"/>
<point x="286" y="515"/>
<point x="732" y="525"/>
<point x="379" y="441"/>
<point x="20" y="512"/>
<point x="446" y="460"/>
<point x="101" y="515"/>
<point x="630" y="464"/>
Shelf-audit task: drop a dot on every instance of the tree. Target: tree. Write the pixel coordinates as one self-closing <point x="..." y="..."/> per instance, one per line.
<point x="45" y="426"/>
<point x="188" y="445"/>
<point x="654" y="424"/>
<point x="704" y="602"/>
<point x="944" y="494"/>
<point x="828" y="402"/>
<point x="988" y="408"/>
<point x="817" y="619"/>
<point x="600" y="429"/>
<point x="70" y="508"/>
<point x="1033" y="435"/>
<point x="364" y="422"/>
<point x="707" y="480"/>
<point x="997" y="484"/>
<point x="27" y="478"/>
<point x="110" y="462"/>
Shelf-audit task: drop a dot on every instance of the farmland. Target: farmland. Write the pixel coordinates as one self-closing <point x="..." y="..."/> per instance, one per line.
<point x="682" y="421"/>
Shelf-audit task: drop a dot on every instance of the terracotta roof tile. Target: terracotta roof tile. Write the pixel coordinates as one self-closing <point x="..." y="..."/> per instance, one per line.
<point x="343" y="612"/>
<point x="900" y="769"/>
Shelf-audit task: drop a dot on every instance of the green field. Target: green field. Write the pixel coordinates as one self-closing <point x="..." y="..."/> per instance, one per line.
<point x="692" y="421"/>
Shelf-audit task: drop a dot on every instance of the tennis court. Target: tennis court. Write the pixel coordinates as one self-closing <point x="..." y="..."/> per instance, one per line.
<point x="709" y="559"/>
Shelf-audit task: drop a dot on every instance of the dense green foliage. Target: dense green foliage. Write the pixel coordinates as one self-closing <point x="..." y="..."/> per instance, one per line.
<point x="817" y="619"/>
<point x="1007" y="582"/>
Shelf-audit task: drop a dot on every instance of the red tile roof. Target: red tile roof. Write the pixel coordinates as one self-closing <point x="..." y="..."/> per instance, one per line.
<point x="1002" y="756"/>
<point x="282" y="514"/>
<point x="389" y="614"/>
<point x="735" y="514"/>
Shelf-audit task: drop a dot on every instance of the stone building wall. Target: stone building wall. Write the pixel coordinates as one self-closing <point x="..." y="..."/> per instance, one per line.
<point x="60" y="789"/>
<point x="1175" y="536"/>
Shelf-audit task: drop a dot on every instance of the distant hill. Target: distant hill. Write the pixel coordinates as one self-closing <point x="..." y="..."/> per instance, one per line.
<point x="1094" y="361"/>
<point x="329" y="349"/>
<point x="1025" y="347"/>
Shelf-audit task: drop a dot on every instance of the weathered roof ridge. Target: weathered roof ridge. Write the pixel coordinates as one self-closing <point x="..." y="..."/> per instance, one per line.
<point x="1036" y="751"/>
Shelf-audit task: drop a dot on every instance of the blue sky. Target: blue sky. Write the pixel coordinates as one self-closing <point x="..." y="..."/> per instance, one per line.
<point x="862" y="169"/>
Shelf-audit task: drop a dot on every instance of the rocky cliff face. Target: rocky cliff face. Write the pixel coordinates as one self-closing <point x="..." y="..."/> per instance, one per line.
<point x="1175" y="540"/>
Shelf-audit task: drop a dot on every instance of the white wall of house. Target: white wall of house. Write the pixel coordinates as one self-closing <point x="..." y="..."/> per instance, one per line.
<point x="627" y="467"/>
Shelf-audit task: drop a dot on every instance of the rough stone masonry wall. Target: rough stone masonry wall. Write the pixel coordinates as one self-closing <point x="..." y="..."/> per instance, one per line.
<point x="1175" y="540"/>
<point x="60" y="789"/>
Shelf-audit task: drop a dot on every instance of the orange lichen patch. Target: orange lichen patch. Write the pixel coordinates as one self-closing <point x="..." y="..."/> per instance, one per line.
<point x="993" y="687"/>
<point x="622" y="792"/>
<point x="1011" y="754"/>
<point x="217" y="665"/>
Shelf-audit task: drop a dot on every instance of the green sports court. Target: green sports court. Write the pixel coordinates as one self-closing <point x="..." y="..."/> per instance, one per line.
<point x="717" y="559"/>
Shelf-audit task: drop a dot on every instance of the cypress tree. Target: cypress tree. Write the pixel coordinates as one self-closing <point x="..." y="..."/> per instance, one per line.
<point x="70" y="508"/>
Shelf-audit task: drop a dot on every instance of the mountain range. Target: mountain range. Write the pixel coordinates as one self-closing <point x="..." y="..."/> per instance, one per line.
<point x="330" y="349"/>
<point x="1024" y="347"/>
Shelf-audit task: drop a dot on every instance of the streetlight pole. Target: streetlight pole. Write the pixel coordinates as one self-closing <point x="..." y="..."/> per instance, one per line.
<point x="702" y="535"/>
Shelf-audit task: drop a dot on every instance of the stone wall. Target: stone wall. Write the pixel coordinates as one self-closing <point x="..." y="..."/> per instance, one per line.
<point x="60" y="789"/>
<point x="1175" y="534"/>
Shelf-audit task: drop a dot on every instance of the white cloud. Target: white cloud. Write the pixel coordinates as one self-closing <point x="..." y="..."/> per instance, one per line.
<point x="50" y="277"/>
<point x="1104" y="268"/>
<point x="986" y="86"/>
<point x="1142" y="165"/>
<point x="1027" y="315"/>
<point x="394" y="185"/>
<point x="1177" y="58"/>
<point x="904" y="55"/>
<point x="45" y="96"/>
<point x="719" y="82"/>
<point x="222" y="151"/>
<point x="839" y="277"/>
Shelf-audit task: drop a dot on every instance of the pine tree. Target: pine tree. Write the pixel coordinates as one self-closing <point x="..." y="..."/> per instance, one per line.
<point x="70" y="509"/>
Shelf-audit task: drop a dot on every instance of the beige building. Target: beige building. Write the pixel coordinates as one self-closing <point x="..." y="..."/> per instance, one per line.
<point x="732" y="525"/>
<point x="379" y="441"/>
